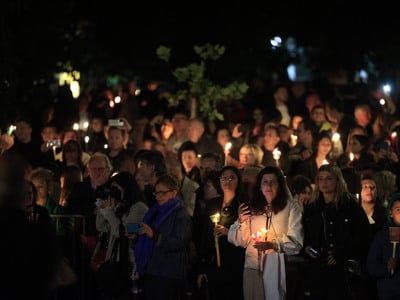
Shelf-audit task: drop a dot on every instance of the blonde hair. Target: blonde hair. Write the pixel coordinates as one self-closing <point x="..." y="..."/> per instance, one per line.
<point x="341" y="192"/>
<point x="256" y="151"/>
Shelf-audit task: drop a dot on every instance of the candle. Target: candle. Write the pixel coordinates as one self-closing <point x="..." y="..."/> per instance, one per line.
<point x="227" y="149"/>
<point x="86" y="142"/>
<point x="351" y="156"/>
<point x="215" y="219"/>
<point x="293" y="139"/>
<point x="260" y="236"/>
<point x="276" y="154"/>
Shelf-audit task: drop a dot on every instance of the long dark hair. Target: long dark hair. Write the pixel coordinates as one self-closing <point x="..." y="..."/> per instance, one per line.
<point x="239" y="193"/>
<point x="258" y="202"/>
<point x="131" y="192"/>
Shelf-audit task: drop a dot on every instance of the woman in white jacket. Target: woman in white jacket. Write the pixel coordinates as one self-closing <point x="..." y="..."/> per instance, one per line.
<point x="269" y="228"/>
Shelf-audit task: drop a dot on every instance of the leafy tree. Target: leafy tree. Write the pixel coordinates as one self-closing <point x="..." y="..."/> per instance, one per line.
<point x="204" y="95"/>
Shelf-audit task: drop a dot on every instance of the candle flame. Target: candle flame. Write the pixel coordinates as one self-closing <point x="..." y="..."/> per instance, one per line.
<point x="276" y="154"/>
<point x="215" y="218"/>
<point x="260" y="236"/>
<point x="228" y="146"/>
<point x="335" y="137"/>
<point x="351" y="156"/>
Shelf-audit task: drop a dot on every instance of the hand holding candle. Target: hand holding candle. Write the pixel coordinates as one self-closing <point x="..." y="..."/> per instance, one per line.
<point x="259" y="239"/>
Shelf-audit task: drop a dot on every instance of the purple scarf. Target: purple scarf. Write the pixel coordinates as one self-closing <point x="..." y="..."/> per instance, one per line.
<point x="156" y="215"/>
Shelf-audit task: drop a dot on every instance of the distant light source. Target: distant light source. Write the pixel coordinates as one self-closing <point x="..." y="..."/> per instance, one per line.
<point x="71" y="79"/>
<point x="117" y="99"/>
<point x="292" y="72"/>
<point x="276" y="42"/>
<point x="75" y="89"/>
<point x="386" y="89"/>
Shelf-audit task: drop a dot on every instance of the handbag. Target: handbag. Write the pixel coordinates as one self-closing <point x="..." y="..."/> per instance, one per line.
<point x="112" y="277"/>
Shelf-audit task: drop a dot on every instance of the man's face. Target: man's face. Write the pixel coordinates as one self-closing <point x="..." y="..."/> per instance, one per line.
<point x="98" y="171"/>
<point x="23" y="131"/>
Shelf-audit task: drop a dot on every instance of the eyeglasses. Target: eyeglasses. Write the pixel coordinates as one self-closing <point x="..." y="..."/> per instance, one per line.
<point x="161" y="193"/>
<point x="226" y="178"/>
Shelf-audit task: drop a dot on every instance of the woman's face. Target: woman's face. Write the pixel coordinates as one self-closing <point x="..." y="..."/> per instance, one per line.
<point x="326" y="182"/>
<point x="189" y="160"/>
<point x="167" y="128"/>
<point x="395" y="212"/>
<point x="246" y="157"/>
<point x="354" y="145"/>
<point x="223" y="137"/>
<point x="269" y="187"/>
<point x="324" y="146"/>
<point x="163" y="193"/>
<point x="71" y="155"/>
<point x="305" y="196"/>
<point x="41" y="188"/>
<point x="228" y="181"/>
<point x="368" y="190"/>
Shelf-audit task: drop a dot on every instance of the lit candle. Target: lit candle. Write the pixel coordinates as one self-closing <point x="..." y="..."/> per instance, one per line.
<point x="351" y="156"/>
<point x="228" y="147"/>
<point x="293" y="139"/>
<point x="276" y="154"/>
<point x="325" y="162"/>
<point x="86" y="142"/>
<point x="215" y="219"/>
<point x="260" y="236"/>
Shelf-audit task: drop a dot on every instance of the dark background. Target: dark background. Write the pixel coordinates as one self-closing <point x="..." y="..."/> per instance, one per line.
<point x="40" y="38"/>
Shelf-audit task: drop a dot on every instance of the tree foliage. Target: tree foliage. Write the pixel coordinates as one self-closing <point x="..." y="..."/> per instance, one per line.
<point x="198" y="87"/>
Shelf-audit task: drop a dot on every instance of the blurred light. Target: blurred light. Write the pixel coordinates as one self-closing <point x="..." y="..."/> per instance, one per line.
<point x="85" y="124"/>
<point x="87" y="138"/>
<point x="117" y="99"/>
<point x="276" y="42"/>
<point x="75" y="89"/>
<point x="386" y="89"/>
<point x="105" y="146"/>
<point x="111" y="104"/>
<point x="363" y="75"/>
<point x="137" y="92"/>
<point x="291" y="71"/>
<point x="75" y="126"/>
<point x="382" y="101"/>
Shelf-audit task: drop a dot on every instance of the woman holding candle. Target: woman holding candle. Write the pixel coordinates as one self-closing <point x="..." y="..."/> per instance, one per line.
<point x="220" y="262"/>
<point x="269" y="226"/>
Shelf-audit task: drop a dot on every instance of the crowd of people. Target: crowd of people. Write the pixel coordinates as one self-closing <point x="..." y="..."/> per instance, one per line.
<point x="297" y="199"/>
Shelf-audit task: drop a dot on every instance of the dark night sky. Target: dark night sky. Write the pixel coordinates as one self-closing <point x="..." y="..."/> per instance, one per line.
<point x="125" y="34"/>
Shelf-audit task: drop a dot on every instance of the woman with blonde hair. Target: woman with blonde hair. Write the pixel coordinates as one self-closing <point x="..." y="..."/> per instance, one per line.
<point x="336" y="233"/>
<point x="250" y="155"/>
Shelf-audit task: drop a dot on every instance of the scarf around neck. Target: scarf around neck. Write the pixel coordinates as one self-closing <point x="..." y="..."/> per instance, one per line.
<point x="154" y="218"/>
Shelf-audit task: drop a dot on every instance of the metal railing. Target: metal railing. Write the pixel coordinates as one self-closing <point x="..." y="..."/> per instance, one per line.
<point x="75" y="230"/>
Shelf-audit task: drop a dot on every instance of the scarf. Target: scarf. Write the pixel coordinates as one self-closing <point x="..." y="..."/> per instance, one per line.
<point x="154" y="217"/>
